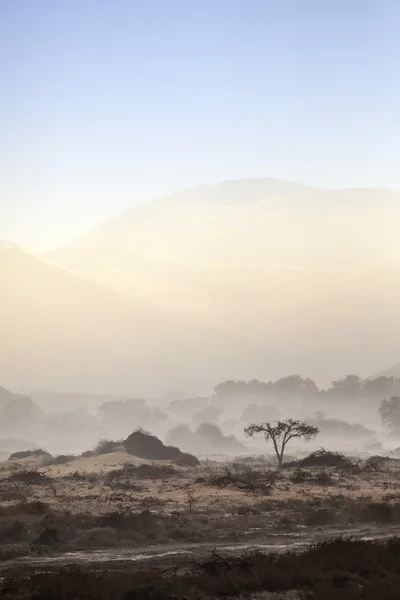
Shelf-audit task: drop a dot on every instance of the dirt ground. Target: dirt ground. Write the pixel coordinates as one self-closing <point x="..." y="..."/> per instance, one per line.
<point x="115" y="511"/>
<point x="97" y="486"/>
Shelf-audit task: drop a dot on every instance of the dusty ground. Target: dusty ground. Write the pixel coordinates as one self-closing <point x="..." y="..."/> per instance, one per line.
<point x="91" y="493"/>
<point x="118" y="511"/>
<point x="300" y="498"/>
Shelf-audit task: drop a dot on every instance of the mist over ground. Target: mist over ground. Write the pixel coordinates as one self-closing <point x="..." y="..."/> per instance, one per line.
<point x="348" y="415"/>
<point x="135" y="323"/>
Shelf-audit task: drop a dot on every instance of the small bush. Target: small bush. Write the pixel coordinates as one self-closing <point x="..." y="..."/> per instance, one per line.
<point x="82" y="476"/>
<point x="187" y="460"/>
<point x="14" y="532"/>
<point x="33" y="477"/>
<point x="48" y="536"/>
<point x="300" y="476"/>
<point x="38" y="453"/>
<point x="61" y="459"/>
<point x="243" y="477"/>
<point x="319" y="517"/>
<point x="324" y="479"/>
<point x="380" y="512"/>
<point x="107" y="447"/>
<point x="324" y="458"/>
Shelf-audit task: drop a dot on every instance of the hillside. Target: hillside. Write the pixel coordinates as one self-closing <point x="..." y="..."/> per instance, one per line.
<point x="393" y="371"/>
<point x="285" y="265"/>
<point x="63" y="332"/>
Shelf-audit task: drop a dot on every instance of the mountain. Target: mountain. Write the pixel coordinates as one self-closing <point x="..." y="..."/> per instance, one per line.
<point x="301" y="269"/>
<point x="64" y="332"/>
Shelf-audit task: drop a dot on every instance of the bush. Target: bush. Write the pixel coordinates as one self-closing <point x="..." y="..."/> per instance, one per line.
<point x="380" y="512"/>
<point x="300" y="476"/>
<point x="187" y="460"/>
<point x="32" y="477"/>
<point x="48" y="536"/>
<point x="243" y="477"/>
<point x="14" y="532"/>
<point x="144" y="471"/>
<point x="38" y="453"/>
<point x="106" y="447"/>
<point x="324" y="479"/>
<point x="61" y="459"/>
<point x="320" y="517"/>
<point x="324" y="458"/>
<point x="82" y="476"/>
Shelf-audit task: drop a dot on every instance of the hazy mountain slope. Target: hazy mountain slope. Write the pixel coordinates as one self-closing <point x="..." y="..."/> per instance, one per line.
<point x="393" y="371"/>
<point x="312" y="270"/>
<point x="61" y="331"/>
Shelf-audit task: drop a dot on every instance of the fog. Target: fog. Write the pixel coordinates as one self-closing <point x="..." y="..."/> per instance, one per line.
<point x="139" y="322"/>
<point x="347" y="415"/>
<point x="245" y="279"/>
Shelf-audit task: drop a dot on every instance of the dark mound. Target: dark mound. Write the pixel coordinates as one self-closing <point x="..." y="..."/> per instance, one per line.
<point x="145" y="445"/>
<point x="186" y="460"/>
<point x="324" y="458"/>
<point x="63" y="459"/>
<point x="39" y="453"/>
<point x="87" y="454"/>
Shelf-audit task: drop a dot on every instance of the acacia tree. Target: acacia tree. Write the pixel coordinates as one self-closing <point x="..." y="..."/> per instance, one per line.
<point x="281" y="432"/>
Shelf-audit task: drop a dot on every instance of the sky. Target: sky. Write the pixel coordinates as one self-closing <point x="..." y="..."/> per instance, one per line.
<point x="108" y="103"/>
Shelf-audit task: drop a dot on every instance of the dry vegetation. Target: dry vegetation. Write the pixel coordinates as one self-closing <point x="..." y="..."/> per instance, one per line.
<point x="116" y="501"/>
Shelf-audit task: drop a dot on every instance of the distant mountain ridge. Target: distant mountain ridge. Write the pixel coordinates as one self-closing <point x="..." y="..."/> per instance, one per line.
<point x="304" y="270"/>
<point x="65" y="332"/>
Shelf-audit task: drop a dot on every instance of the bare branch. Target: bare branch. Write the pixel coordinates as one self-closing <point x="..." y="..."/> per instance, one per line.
<point x="281" y="432"/>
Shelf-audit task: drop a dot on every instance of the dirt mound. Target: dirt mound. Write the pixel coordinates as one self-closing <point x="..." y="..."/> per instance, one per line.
<point x="324" y="458"/>
<point x="38" y="453"/>
<point x="145" y="445"/>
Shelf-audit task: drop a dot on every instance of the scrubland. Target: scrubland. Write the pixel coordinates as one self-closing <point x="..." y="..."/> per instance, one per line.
<point x="221" y="528"/>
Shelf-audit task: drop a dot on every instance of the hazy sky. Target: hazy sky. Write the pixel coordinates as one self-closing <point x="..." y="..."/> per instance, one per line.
<point x="104" y="104"/>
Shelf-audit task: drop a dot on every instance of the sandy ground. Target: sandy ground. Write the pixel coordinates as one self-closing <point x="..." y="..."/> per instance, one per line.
<point x="240" y="520"/>
<point x="381" y="485"/>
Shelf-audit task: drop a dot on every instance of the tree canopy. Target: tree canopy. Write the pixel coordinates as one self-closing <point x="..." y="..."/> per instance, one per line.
<point x="281" y="432"/>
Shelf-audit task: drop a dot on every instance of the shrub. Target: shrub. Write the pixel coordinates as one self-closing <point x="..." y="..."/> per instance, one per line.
<point x="319" y="517"/>
<point x="38" y="453"/>
<point x="324" y="458"/>
<point x="106" y="447"/>
<point x="33" y="477"/>
<point x="381" y="512"/>
<point x="48" y="536"/>
<point x="61" y="459"/>
<point x="324" y="479"/>
<point x="14" y="532"/>
<point x="243" y="477"/>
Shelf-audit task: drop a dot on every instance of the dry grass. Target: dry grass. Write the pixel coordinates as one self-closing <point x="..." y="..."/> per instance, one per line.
<point x="338" y="569"/>
<point x="116" y="500"/>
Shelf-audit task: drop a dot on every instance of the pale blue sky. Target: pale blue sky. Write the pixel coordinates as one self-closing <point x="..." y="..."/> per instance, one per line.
<point x="107" y="103"/>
